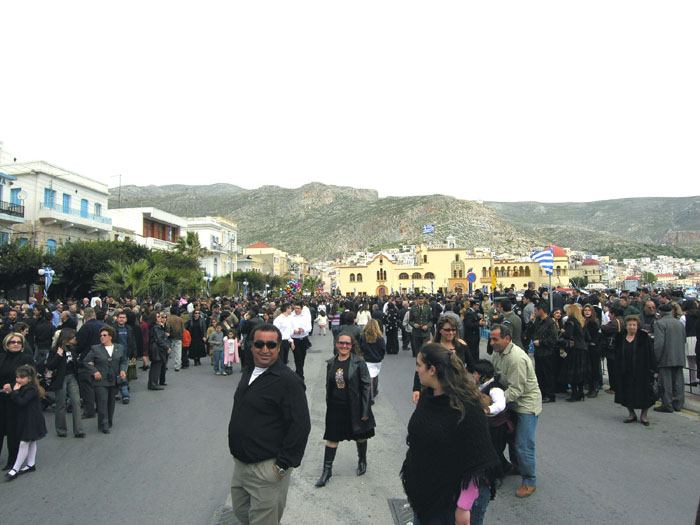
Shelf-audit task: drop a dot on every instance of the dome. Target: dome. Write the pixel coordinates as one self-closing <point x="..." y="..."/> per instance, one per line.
<point x="591" y="262"/>
<point x="558" y="252"/>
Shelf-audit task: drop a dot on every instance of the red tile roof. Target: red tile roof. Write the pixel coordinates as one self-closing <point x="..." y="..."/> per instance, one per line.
<point x="259" y="245"/>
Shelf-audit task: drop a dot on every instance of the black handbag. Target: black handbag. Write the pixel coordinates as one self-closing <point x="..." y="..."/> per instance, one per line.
<point x="131" y="372"/>
<point x="657" y="389"/>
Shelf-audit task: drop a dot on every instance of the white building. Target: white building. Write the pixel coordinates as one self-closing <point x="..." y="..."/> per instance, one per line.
<point x="59" y="206"/>
<point x="220" y="237"/>
<point x="150" y="227"/>
<point x="10" y="213"/>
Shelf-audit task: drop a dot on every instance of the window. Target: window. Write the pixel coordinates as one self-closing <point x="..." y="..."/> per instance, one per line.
<point x="23" y="241"/>
<point x="84" y="208"/>
<point x="460" y="273"/>
<point x="66" y="203"/>
<point x="98" y="209"/>
<point x="352" y="277"/>
<point x="425" y="258"/>
<point x="403" y="276"/>
<point x="216" y="268"/>
<point x="49" y="197"/>
<point x="454" y="273"/>
<point x="50" y="246"/>
<point x="14" y="195"/>
<point x="456" y="257"/>
<point x="430" y="275"/>
<point x="416" y="275"/>
<point x="4" y="238"/>
<point x="359" y="277"/>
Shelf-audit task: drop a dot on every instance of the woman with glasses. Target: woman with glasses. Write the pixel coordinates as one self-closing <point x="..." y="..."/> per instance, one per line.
<point x="446" y="335"/>
<point x="106" y="362"/>
<point x="10" y="360"/>
<point x="348" y="411"/>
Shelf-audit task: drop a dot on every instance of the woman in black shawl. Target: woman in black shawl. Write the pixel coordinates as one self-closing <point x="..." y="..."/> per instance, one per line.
<point x="450" y="465"/>
<point x="635" y="366"/>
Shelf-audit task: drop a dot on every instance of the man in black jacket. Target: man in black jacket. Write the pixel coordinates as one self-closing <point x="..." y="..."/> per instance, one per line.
<point x="268" y="431"/>
<point x="543" y="332"/>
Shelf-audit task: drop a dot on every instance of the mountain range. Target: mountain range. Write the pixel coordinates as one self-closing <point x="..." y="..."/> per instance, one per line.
<point x="322" y="222"/>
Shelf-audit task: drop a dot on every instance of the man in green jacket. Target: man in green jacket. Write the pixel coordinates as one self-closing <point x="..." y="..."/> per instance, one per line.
<point x="420" y="318"/>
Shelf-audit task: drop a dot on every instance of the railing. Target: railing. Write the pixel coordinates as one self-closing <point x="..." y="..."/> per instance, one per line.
<point x="12" y="209"/>
<point x="77" y="213"/>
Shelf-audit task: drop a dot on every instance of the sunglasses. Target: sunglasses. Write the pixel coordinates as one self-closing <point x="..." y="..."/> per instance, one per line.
<point x="14" y="342"/>
<point x="262" y="344"/>
<point x="448" y="329"/>
<point x="344" y="343"/>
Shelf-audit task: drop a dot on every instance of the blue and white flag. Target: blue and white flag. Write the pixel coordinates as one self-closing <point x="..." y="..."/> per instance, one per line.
<point x="545" y="258"/>
<point x="428" y="228"/>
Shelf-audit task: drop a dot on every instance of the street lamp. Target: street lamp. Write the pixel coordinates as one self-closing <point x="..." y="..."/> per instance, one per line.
<point x="245" y="289"/>
<point x="47" y="272"/>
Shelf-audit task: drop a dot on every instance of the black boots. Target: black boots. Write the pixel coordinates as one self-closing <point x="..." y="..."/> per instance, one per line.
<point x="593" y="391"/>
<point x="576" y="393"/>
<point x="361" y="457"/>
<point x="328" y="458"/>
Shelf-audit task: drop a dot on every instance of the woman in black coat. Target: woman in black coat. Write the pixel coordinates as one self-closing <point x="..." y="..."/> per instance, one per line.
<point x="63" y="361"/>
<point x="197" y="327"/>
<point x="391" y="324"/>
<point x="576" y="367"/>
<point x="635" y="366"/>
<point x="592" y="329"/>
<point x="10" y="360"/>
<point x="348" y="411"/>
<point x="158" y="352"/>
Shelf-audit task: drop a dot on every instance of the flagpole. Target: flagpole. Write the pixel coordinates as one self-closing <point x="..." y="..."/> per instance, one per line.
<point x="551" y="297"/>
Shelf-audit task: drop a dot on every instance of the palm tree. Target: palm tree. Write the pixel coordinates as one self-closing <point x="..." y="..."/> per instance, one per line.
<point x="113" y="281"/>
<point x="190" y="246"/>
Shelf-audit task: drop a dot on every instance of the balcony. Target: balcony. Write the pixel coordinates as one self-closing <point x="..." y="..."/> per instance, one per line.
<point x="153" y="243"/>
<point x="72" y="218"/>
<point x="13" y="213"/>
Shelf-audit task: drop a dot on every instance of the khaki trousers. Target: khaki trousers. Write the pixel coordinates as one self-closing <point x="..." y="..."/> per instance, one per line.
<point x="257" y="494"/>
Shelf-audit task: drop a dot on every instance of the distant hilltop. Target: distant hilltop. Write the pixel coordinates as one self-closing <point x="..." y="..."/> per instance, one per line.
<point x="322" y="222"/>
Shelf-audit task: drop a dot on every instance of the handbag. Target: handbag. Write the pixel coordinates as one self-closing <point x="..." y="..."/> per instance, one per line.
<point x="131" y="372"/>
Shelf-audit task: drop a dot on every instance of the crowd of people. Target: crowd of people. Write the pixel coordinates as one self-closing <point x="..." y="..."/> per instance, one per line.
<point x="80" y="356"/>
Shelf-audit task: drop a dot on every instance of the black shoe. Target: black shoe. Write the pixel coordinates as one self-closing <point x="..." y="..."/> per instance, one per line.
<point x="328" y="457"/>
<point x="571" y="399"/>
<point x="105" y="431"/>
<point x="26" y="470"/>
<point x="156" y="388"/>
<point x="592" y="393"/>
<point x="12" y="474"/>
<point x="7" y="467"/>
<point x="361" y="457"/>
<point x="90" y="417"/>
<point x="628" y="420"/>
<point x="663" y="409"/>
<point x="61" y="435"/>
<point x="164" y="384"/>
<point x="81" y="435"/>
<point x="549" y="400"/>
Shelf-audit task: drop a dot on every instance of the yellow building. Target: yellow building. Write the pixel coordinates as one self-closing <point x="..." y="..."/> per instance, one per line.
<point x="445" y="270"/>
<point x="274" y="261"/>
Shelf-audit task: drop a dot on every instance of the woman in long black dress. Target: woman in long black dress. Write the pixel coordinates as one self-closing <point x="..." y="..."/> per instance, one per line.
<point x="576" y="365"/>
<point x="391" y="324"/>
<point x="635" y="366"/>
<point x="198" y="330"/>
<point x="348" y="411"/>
<point x="592" y="329"/>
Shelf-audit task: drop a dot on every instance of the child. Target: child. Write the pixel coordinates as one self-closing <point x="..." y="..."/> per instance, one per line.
<point x="230" y="352"/>
<point x="216" y="340"/>
<point x="322" y="321"/>
<point x="27" y="394"/>
<point x="494" y="402"/>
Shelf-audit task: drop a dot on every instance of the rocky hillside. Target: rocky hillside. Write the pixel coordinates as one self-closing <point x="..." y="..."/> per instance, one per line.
<point x="322" y="221"/>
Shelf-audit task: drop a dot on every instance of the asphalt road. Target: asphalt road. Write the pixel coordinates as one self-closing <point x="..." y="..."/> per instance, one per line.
<point x="167" y="461"/>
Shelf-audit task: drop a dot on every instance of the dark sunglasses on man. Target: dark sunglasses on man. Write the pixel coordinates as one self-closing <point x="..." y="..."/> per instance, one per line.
<point x="268" y="344"/>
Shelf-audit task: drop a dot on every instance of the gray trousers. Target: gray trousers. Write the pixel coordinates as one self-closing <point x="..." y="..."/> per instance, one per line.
<point x="70" y="384"/>
<point x="176" y="354"/>
<point x="672" y="380"/>
<point x="257" y="494"/>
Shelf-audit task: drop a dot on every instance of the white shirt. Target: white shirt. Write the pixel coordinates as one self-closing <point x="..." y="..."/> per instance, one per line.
<point x="110" y="349"/>
<point x="300" y="321"/>
<point x="498" y="398"/>
<point x="283" y="323"/>
<point x="257" y="371"/>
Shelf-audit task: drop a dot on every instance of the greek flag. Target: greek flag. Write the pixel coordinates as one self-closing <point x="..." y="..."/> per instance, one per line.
<point x="428" y="228"/>
<point x="545" y="258"/>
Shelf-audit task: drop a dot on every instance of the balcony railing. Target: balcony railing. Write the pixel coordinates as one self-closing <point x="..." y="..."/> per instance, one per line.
<point x="77" y="213"/>
<point x="12" y="209"/>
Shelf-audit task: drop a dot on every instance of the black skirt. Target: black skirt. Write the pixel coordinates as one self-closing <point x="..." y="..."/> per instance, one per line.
<point x="339" y="424"/>
<point x="576" y="367"/>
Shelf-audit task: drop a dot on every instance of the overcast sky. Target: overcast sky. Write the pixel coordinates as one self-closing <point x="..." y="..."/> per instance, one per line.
<point x="550" y="101"/>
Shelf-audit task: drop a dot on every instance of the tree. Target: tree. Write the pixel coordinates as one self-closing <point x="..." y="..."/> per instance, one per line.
<point x="190" y="246"/>
<point x="649" y="277"/>
<point x="19" y="265"/>
<point x="579" y="282"/>
<point x="138" y="279"/>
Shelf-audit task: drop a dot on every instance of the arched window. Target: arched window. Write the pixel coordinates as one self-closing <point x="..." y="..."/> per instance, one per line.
<point x="484" y="271"/>
<point x="558" y="270"/>
<point x="425" y="258"/>
<point x="460" y="273"/>
<point x="403" y="276"/>
<point x="527" y="271"/>
<point x="429" y="275"/>
<point x="454" y="274"/>
<point x="379" y="275"/>
<point x="456" y="257"/>
<point x="50" y="246"/>
<point x="416" y="275"/>
<point x="352" y="277"/>
<point x="359" y="277"/>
